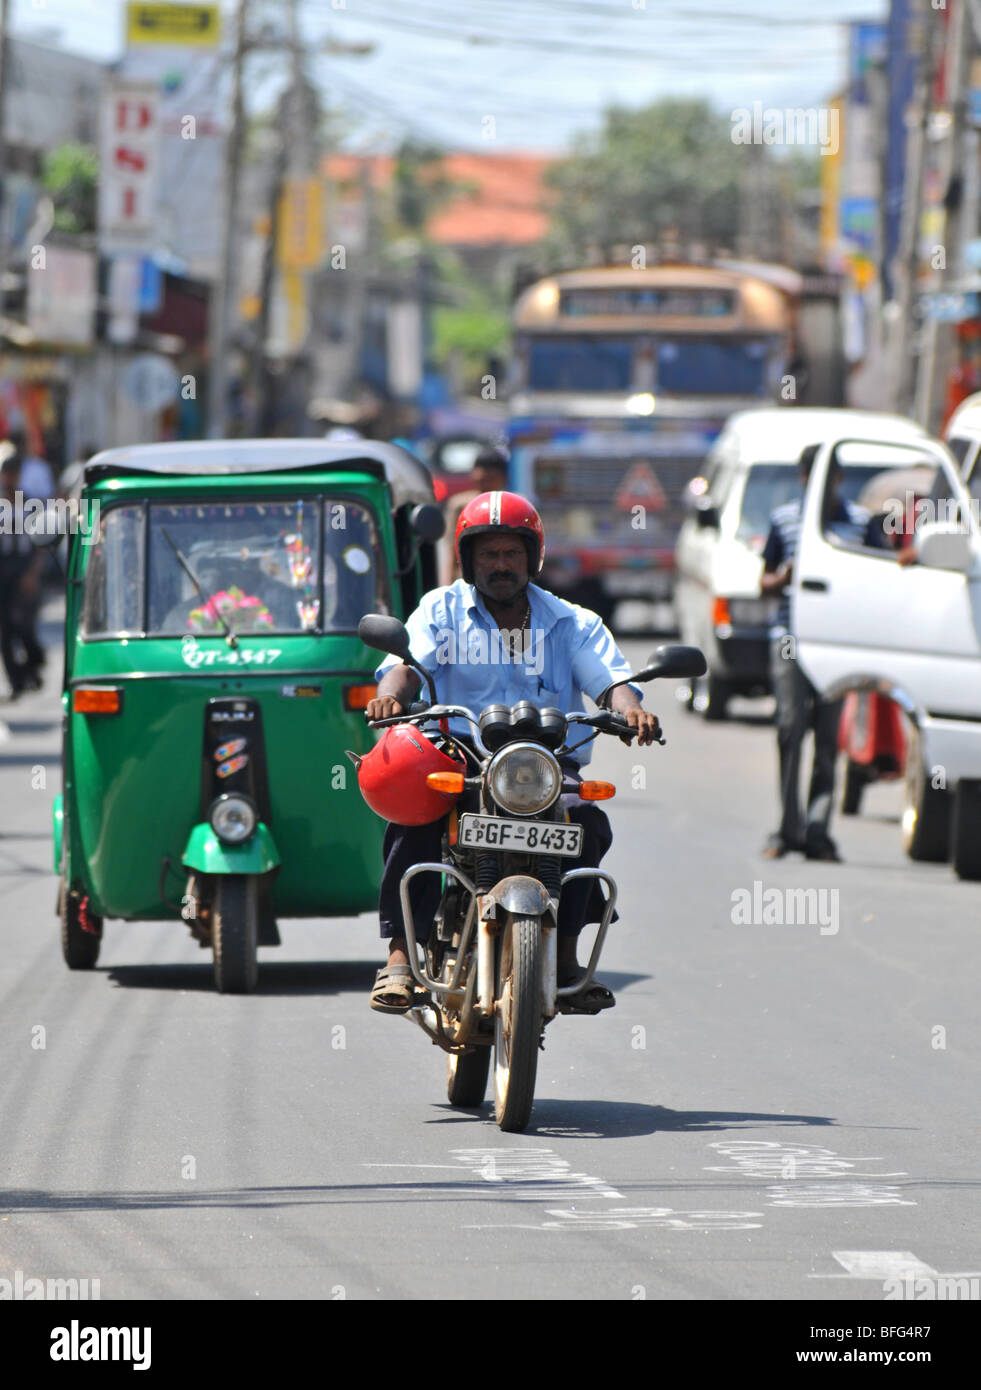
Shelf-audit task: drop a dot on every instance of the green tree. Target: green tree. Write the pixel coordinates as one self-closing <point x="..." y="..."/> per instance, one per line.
<point x="70" y="175"/>
<point x="421" y="185"/>
<point x="668" y="167"/>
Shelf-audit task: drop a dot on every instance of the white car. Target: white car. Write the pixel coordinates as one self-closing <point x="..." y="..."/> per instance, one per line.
<point x="912" y="632"/>
<point x="751" y="469"/>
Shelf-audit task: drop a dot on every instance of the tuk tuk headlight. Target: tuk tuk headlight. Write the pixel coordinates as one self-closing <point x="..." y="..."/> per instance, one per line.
<point x="524" y="779"/>
<point x="233" y="818"/>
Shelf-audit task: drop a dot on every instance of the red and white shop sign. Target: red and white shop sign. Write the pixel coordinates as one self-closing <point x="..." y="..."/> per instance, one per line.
<point x="129" y="167"/>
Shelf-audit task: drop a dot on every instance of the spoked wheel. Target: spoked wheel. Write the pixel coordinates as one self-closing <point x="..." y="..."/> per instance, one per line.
<point x="926" y="810"/>
<point x="466" y="1076"/>
<point x="517" y="1022"/>
<point x="79" y="946"/>
<point x="235" y="933"/>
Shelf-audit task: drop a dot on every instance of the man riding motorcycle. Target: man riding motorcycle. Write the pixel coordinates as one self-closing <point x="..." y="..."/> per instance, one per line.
<point x="495" y="637"/>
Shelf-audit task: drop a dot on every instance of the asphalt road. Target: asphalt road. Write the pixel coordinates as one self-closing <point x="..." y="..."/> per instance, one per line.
<point x="774" y="1110"/>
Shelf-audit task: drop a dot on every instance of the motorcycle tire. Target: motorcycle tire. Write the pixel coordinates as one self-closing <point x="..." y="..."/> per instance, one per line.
<point x="517" y="1022"/>
<point x="466" y="1077"/>
<point x="235" y="933"/>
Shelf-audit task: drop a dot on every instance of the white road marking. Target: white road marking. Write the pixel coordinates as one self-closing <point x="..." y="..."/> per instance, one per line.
<point x="769" y="1159"/>
<point x="527" y="1174"/>
<point x="631" y="1218"/>
<point x="904" y="1276"/>
<point x="876" y="1264"/>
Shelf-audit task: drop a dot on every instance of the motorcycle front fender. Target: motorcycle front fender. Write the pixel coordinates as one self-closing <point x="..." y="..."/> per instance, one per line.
<point x="522" y="896"/>
<point x="206" y="854"/>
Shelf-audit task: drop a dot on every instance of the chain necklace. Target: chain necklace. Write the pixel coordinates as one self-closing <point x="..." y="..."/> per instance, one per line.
<point x="517" y="642"/>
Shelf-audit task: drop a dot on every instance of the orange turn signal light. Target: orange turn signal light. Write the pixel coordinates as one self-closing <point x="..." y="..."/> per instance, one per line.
<point x="359" y="696"/>
<point x="596" y="791"/>
<point x="721" y="617"/>
<point x="99" y="699"/>
<point x="445" y="781"/>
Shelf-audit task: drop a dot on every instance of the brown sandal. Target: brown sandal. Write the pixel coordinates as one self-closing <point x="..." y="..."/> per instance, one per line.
<point x="393" y="990"/>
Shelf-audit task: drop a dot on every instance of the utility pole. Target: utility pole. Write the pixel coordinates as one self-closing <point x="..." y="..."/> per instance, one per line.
<point x="4" y="30"/>
<point x="223" y="293"/>
<point x="904" y="362"/>
<point x="941" y="338"/>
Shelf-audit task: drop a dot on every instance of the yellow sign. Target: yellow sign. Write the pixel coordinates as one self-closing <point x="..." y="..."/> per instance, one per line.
<point x="830" y="178"/>
<point x="300" y="227"/>
<point x="159" y="21"/>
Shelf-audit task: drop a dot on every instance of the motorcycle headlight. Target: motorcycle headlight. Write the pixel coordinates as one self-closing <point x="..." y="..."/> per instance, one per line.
<point x="524" y="779"/>
<point x="233" y="818"/>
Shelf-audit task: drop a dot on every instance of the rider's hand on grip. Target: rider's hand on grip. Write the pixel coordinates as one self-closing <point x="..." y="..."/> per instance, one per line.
<point x="382" y="707"/>
<point x="644" y="724"/>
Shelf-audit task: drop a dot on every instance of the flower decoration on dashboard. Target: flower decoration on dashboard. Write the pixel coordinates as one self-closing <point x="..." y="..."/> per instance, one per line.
<point x="241" y="611"/>
<point x="300" y="559"/>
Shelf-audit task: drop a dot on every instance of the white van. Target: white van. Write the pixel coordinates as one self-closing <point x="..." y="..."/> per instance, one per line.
<point x="865" y="622"/>
<point x="751" y="469"/>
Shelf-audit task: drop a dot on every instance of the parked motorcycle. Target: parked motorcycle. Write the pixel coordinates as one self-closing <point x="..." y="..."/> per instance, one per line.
<point x="487" y="980"/>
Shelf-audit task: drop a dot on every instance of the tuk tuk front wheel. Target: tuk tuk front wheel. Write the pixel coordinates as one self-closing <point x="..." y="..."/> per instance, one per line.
<point x="235" y="933"/>
<point x="79" y="943"/>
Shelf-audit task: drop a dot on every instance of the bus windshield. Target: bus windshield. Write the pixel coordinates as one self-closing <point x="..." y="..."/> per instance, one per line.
<point x="580" y="364"/>
<point x="713" y="366"/>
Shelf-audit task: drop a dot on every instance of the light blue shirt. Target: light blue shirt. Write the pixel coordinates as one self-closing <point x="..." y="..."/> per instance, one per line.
<point x="565" y="652"/>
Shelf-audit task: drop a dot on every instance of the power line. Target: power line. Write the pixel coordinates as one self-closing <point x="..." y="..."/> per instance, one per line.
<point x="588" y="50"/>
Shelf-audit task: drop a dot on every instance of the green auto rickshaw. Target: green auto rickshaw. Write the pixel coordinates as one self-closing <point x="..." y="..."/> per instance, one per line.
<point x="214" y="678"/>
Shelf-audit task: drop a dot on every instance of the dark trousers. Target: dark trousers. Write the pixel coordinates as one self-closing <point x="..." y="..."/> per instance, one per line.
<point x="405" y="845"/>
<point x="800" y="708"/>
<point x="20" y="650"/>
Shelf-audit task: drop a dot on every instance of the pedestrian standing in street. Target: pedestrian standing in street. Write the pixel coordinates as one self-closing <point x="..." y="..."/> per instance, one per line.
<point x="36" y="476"/>
<point x="490" y="474"/>
<point x="799" y="706"/>
<point x="20" y="587"/>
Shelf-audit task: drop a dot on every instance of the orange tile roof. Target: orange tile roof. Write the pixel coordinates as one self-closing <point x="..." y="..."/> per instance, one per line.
<point x="503" y="204"/>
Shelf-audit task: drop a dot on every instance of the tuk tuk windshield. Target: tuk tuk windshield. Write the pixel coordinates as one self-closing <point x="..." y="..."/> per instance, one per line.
<point x="303" y="565"/>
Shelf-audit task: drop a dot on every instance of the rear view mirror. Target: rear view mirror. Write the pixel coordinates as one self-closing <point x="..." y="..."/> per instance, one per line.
<point x="673" y="661"/>
<point x="427" y="521"/>
<point x="944" y="546"/>
<point x="385" y="634"/>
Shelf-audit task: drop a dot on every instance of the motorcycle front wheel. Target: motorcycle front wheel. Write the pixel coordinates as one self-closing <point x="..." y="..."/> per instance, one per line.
<point x="517" y="1022"/>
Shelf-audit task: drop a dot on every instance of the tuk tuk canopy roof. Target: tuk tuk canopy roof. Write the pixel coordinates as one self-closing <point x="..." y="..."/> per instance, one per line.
<point x="408" y="479"/>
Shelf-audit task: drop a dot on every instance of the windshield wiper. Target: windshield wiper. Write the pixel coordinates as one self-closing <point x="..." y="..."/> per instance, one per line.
<point x="230" y="637"/>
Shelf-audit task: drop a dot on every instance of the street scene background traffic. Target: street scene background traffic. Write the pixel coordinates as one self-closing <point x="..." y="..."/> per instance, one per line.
<point x="704" y="287"/>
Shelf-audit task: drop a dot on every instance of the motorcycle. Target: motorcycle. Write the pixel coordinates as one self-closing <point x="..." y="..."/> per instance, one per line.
<point x="487" y="983"/>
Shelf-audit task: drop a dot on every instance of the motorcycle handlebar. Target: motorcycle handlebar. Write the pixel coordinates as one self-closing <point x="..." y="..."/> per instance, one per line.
<point x="605" y="722"/>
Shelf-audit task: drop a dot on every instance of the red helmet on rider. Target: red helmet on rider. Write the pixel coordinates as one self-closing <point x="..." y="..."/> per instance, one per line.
<point x="500" y="511"/>
<point x="392" y="777"/>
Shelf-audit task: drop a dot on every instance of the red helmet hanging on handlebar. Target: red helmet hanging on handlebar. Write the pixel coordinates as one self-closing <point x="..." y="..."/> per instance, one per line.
<point x="500" y="511"/>
<point x="392" y="777"/>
